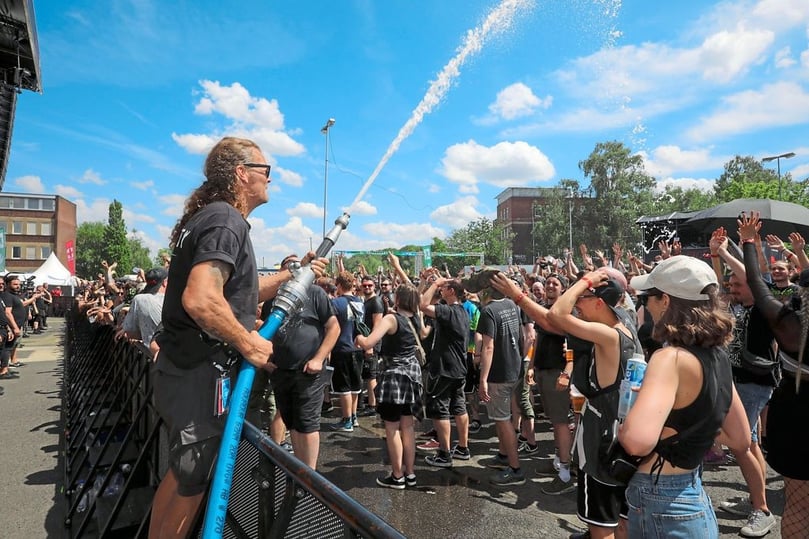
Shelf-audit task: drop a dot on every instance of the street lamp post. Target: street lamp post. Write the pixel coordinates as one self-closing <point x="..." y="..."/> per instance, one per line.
<point x="325" y="131"/>
<point x="777" y="159"/>
<point x="570" y="221"/>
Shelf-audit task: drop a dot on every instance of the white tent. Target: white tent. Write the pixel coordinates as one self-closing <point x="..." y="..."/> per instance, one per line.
<point x="53" y="273"/>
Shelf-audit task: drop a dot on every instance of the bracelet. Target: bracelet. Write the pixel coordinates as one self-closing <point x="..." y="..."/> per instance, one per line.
<point x="519" y="298"/>
<point x="588" y="282"/>
<point x="748" y="240"/>
<point x="714" y="256"/>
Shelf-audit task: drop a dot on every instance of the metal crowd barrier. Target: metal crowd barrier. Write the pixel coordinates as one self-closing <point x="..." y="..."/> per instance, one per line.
<point x="114" y="455"/>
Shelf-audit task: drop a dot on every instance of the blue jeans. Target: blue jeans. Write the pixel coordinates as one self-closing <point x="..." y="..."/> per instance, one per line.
<point x="754" y="398"/>
<point x="671" y="506"/>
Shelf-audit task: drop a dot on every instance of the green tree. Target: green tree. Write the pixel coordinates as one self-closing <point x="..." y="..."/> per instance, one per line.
<point x="162" y="253"/>
<point x="678" y="199"/>
<point x="564" y="204"/>
<point x="622" y="191"/>
<point x="483" y="235"/>
<point x="746" y="177"/>
<point x="115" y="239"/>
<point x="90" y="249"/>
<point x="139" y="256"/>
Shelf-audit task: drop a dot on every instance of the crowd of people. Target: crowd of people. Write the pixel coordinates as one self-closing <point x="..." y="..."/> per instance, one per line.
<point x="724" y="340"/>
<point x="24" y="310"/>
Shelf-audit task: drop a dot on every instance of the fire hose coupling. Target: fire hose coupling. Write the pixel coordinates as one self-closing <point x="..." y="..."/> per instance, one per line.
<point x="293" y="293"/>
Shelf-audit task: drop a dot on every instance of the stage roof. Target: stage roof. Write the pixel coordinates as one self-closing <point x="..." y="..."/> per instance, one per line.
<point x="19" y="67"/>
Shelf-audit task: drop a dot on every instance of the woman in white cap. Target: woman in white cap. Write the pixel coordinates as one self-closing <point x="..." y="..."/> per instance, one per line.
<point x="687" y="398"/>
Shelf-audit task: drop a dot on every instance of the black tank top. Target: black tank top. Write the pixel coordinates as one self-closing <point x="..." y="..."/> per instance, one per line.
<point x="698" y="423"/>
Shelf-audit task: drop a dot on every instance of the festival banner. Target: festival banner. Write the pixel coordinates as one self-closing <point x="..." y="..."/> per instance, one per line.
<point x="71" y="257"/>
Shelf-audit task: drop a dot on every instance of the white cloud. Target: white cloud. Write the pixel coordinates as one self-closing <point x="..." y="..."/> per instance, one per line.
<point x="255" y="118"/>
<point x="30" y="184"/>
<point x="778" y="104"/>
<point x="96" y="211"/>
<point x="506" y="164"/>
<point x="130" y="218"/>
<point x="727" y="54"/>
<point x="287" y="177"/>
<point x="273" y="244"/>
<point x="143" y="186"/>
<point x="91" y="176"/>
<point x="149" y="242"/>
<point x="175" y="204"/>
<point x="433" y="188"/>
<point x="458" y="214"/>
<point x="305" y="209"/>
<point x="783" y="58"/>
<point x="385" y="234"/>
<point x="665" y="160"/>
<point x="516" y="101"/>
<point x="68" y="191"/>
<point x="703" y="184"/>
<point x="360" y="208"/>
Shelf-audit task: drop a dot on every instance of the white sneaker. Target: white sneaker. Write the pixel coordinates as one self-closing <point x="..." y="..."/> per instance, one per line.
<point x="758" y="524"/>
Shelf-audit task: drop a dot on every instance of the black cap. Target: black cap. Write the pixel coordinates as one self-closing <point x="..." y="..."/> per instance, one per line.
<point x="154" y="279"/>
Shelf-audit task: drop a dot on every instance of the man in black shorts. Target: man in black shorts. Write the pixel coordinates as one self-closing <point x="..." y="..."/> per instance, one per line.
<point x="300" y="349"/>
<point x="374" y="311"/>
<point x="446" y="369"/>
<point x="345" y="357"/>
<point x="209" y="316"/>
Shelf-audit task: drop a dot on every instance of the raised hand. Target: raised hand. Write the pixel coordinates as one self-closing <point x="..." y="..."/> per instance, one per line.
<point x="797" y="241"/>
<point x="774" y="242"/>
<point x="749" y="225"/>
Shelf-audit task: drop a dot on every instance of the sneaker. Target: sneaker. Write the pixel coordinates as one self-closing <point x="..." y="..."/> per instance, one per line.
<point x="15" y="365"/>
<point x="391" y="482"/>
<point x="287" y="446"/>
<point x="474" y="426"/>
<point x="439" y="461"/>
<point x="430" y="445"/>
<point x="557" y="487"/>
<point x="354" y="421"/>
<point x="368" y="411"/>
<point x="508" y="477"/>
<point x="460" y="453"/>
<point x="344" y="425"/>
<point x="326" y="408"/>
<point x="527" y="449"/>
<point x="498" y="462"/>
<point x="429" y="435"/>
<point x="758" y="524"/>
<point x="740" y="507"/>
<point x="547" y="468"/>
<point x="410" y="480"/>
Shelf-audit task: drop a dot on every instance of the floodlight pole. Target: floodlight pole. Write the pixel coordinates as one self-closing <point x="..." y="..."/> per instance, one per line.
<point x="777" y="159"/>
<point x="325" y="131"/>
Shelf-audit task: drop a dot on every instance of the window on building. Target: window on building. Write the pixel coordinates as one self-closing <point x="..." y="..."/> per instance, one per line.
<point x="32" y="203"/>
<point x="31" y="229"/>
<point x="5" y="202"/>
<point x="45" y="229"/>
<point x="47" y="204"/>
<point x="45" y="252"/>
<point x="18" y="203"/>
<point x="16" y="227"/>
<point x="30" y="253"/>
<point x="16" y="252"/>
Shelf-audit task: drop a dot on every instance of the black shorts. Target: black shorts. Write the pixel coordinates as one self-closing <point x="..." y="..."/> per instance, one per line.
<point x="472" y="374"/>
<point x="347" y="376"/>
<point x="393" y="412"/>
<point x="184" y="398"/>
<point x="787" y="437"/>
<point x="600" y="504"/>
<point x="445" y="397"/>
<point x="299" y="397"/>
<point x="370" y="366"/>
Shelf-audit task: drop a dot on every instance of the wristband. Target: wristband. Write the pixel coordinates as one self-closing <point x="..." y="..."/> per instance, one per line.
<point x="519" y="298"/>
<point x="588" y="282"/>
<point x="748" y="240"/>
<point x="714" y="256"/>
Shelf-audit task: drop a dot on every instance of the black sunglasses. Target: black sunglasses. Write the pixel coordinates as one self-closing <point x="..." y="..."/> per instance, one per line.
<point x="260" y="165"/>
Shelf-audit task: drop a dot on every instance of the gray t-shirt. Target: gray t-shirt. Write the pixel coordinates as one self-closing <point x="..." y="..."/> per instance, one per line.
<point x="501" y="321"/>
<point x="144" y="316"/>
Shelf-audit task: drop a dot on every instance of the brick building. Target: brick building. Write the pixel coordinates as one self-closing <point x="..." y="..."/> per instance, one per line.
<point x="35" y="226"/>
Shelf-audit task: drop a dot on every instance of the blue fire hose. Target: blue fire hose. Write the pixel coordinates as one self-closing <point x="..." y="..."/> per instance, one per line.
<point x="290" y="298"/>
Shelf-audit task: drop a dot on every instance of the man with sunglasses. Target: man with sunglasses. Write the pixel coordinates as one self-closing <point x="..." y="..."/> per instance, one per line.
<point x="209" y="320"/>
<point x="374" y="311"/>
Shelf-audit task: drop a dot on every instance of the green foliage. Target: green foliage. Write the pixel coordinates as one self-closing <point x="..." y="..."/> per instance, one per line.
<point x="115" y="239"/>
<point x="139" y="256"/>
<point x="482" y="235"/>
<point x="622" y="191"/>
<point x="162" y="253"/>
<point x="746" y="177"/>
<point x="562" y="207"/>
<point x="90" y="249"/>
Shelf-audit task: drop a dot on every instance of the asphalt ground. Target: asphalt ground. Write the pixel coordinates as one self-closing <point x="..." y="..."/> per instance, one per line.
<point x="457" y="502"/>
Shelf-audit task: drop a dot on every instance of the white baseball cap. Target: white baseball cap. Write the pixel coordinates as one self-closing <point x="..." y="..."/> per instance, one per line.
<point x="683" y="277"/>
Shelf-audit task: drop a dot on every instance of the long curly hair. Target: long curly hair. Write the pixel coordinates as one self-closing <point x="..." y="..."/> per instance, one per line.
<point x="220" y="175"/>
<point x="695" y="323"/>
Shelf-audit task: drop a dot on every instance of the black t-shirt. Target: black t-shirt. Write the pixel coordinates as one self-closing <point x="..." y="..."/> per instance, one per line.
<point x="549" y="350"/>
<point x="500" y="320"/>
<point x="759" y="341"/>
<point x="3" y="319"/>
<point x="373" y="306"/>
<point x="297" y="340"/>
<point x="216" y="232"/>
<point x="18" y="311"/>
<point x="345" y="316"/>
<point x="448" y="353"/>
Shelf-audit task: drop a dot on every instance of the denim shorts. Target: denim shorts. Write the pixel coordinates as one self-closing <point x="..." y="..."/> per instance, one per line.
<point x="754" y="398"/>
<point x="670" y="506"/>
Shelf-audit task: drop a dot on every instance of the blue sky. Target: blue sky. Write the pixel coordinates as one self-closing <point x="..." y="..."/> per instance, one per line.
<point x="136" y="92"/>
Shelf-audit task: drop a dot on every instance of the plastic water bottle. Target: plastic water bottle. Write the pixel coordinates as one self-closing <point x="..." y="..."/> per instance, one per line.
<point x="633" y="378"/>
